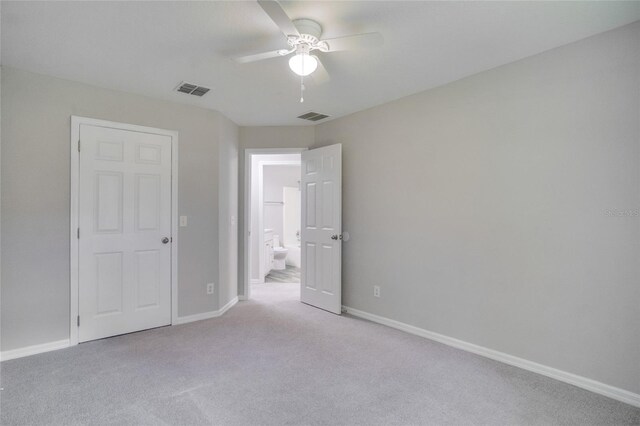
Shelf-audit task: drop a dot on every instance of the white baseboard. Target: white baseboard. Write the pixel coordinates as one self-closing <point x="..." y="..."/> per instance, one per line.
<point x="61" y="344"/>
<point x="229" y="305"/>
<point x="573" y="379"/>
<point x="35" y="349"/>
<point x="206" y="315"/>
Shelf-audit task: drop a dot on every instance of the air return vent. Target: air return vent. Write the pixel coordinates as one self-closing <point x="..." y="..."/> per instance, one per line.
<point x="313" y="116"/>
<point x="192" y="89"/>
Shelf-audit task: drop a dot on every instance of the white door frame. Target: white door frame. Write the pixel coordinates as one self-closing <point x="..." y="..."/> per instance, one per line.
<point x="74" y="222"/>
<point x="248" y="157"/>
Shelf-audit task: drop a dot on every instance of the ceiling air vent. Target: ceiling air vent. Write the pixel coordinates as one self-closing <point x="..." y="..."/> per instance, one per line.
<point x="192" y="89"/>
<point x="313" y="116"/>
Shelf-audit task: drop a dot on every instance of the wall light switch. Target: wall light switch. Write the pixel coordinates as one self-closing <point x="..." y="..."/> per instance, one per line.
<point x="183" y="221"/>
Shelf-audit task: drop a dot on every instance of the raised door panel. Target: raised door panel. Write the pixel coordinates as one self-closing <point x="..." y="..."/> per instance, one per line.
<point x="109" y="277"/>
<point x="327" y="205"/>
<point x="109" y="199"/>
<point x="310" y="255"/>
<point x="110" y="150"/>
<point x="310" y="203"/>
<point x="326" y="263"/>
<point x="147" y="278"/>
<point x="148" y="154"/>
<point x="147" y="202"/>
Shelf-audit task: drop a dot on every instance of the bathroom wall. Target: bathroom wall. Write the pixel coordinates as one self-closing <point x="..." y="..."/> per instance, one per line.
<point x="275" y="178"/>
<point x="292" y="216"/>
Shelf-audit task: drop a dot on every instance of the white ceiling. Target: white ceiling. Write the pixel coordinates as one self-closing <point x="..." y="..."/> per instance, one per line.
<point x="149" y="47"/>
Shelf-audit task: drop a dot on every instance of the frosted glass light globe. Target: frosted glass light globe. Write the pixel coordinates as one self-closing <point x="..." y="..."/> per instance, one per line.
<point x="303" y="64"/>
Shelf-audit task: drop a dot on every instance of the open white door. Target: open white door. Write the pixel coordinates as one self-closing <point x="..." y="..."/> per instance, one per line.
<point x="321" y="240"/>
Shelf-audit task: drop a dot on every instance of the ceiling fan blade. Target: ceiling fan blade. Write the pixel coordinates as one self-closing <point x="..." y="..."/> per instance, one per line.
<point x="358" y="41"/>
<point x="257" y="57"/>
<point x="279" y="16"/>
<point x="320" y="75"/>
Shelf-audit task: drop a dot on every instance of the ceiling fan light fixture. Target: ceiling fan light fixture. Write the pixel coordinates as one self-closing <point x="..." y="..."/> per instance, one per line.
<point x="303" y="64"/>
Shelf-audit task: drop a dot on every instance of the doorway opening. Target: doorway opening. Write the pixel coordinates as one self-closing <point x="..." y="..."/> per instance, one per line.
<point x="281" y="219"/>
<point x="318" y="234"/>
<point x="272" y="224"/>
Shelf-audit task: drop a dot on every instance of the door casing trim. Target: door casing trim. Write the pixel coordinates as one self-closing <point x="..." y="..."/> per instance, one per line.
<point x="74" y="282"/>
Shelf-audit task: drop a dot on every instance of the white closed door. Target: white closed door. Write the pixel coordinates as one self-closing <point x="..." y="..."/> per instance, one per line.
<point x="124" y="233"/>
<point x="321" y="239"/>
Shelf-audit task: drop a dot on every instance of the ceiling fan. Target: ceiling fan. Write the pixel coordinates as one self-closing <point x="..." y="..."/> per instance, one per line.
<point x="303" y="38"/>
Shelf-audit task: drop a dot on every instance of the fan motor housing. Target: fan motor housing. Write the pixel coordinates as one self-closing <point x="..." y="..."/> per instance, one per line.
<point x="310" y="31"/>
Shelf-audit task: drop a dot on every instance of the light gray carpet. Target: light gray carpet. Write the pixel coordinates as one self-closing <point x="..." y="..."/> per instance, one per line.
<point x="276" y="361"/>
<point x="290" y="275"/>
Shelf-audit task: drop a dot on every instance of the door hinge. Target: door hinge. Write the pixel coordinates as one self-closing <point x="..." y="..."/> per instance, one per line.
<point x="78" y="320"/>
<point x="78" y="145"/>
<point x="78" y="233"/>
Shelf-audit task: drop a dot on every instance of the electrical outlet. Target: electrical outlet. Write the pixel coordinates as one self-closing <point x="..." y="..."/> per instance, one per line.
<point x="210" y="288"/>
<point x="376" y="291"/>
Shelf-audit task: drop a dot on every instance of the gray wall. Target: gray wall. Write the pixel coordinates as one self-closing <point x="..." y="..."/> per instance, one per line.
<point x="35" y="197"/>
<point x="228" y="207"/>
<point x="261" y="138"/>
<point x="485" y="209"/>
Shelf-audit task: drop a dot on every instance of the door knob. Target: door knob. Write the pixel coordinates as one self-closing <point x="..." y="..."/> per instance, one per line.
<point x="165" y="240"/>
<point x="335" y="237"/>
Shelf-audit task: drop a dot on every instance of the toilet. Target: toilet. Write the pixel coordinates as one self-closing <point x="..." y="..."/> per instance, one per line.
<point x="279" y="254"/>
